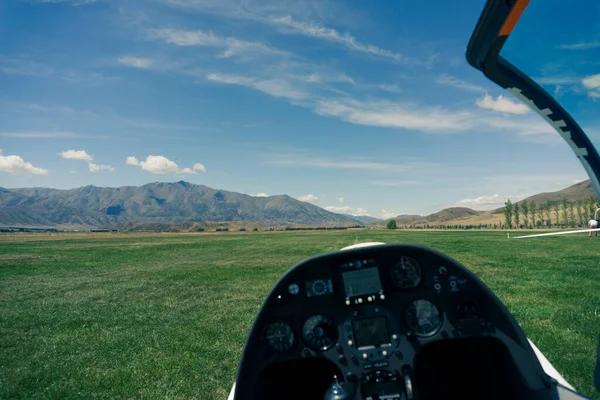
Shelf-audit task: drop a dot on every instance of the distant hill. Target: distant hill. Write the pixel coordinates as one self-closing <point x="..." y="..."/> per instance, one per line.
<point x="466" y="216"/>
<point x="578" y="191"/>
<point x="449" y="214"/>
<point x="363" y="219"/>
<point x="440" y="217"/>
<point x="155" y="203"/>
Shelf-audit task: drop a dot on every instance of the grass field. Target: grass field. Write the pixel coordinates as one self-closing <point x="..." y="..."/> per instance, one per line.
<point x="166" y="315"/>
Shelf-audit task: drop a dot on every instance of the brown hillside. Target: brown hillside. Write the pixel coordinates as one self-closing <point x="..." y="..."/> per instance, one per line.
<point x="578" y="191"/>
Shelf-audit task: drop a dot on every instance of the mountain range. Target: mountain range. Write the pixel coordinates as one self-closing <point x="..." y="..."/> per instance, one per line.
<point x="182" y="205"/>
<point x="155" y="203"/>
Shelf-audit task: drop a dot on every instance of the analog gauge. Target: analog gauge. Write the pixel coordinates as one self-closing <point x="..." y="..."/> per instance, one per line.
<point x="406" y="274"/>
<point x="319" y="287"/>
<point x="293" y="289"/>
<point x="320" y="332"/>
<point x="423" y="318"/>
<point x="279" y="336"/>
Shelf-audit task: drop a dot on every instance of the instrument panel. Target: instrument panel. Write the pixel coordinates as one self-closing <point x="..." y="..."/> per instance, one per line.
<point x="368" y="312"/>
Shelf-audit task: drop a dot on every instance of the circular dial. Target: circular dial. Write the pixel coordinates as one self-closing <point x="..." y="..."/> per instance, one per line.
<point x="279" y="336"/>
<point x="423" y="318"/>
<point x="319" y="287"/>
<point x="320" y="332"/>
<point x="406" y="274"/>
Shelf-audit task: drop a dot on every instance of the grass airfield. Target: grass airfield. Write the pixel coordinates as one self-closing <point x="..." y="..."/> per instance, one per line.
<point x="166" y="315"/>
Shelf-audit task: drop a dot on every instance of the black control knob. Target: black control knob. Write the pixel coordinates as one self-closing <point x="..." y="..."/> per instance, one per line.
<point x="340" y="391"/>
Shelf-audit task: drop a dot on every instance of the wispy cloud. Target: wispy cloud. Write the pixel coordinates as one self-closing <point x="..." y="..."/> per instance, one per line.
<point x="395" y="115"/>
<point x="311" y="29"/>
<point x="558" y="80"/>
<point x="16" y="165"/>
<point x="395" y="183"/>
<point x="502" y="104"/>
<point x="274" y="87"/>
<point x="579" y="46"/>
<point x="297" y="161"/>
<point x="327" y="78"/>
<point x="261" y="194"/>
<point x="24" y="66"/>
<point x="230" y="45"/>
<point x="72" y="2"/>
<point x="390" y="88"/>
<point x="136" y="62"/>
<point x="449" y="80"/>
<point x="49" y="135"/>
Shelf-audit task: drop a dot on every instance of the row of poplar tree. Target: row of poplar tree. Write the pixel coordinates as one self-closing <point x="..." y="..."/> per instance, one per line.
<point x="549" y="214"/>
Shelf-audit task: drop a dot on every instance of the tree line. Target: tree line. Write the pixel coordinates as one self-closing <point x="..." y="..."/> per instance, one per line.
<point x="561" y="214"/>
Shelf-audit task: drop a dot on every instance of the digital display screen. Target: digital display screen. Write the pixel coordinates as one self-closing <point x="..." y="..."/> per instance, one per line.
<point x="361" y="281"/>
<point x="371" y="332"/>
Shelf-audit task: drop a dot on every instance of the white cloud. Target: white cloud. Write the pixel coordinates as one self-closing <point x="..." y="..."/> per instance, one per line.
<point x="132" y="161"/>
<point x="329" y="34"/>
<point x="157" y="165"/>
<point x="394" y="115"/>
<point x="347" y="210"/>
<point x="385" y="214"/>
<point x="579" y="46"/>
<point x="341" y="200"/>
<point x="274" y="87"/>
<point x="195" y="168"/>
<point x="232" y="46"/>
<point x="97" y="168"/>
<point x="592" y="83"/>
<point x="502" y="104"/>
<point x="15" y="165"/>
<point x="450" y="80"/>
<point x="198" y="167"/>
<point x="487" y="202"/>
<point x="76" y="155"/>
<point x="309" y="198"/>
<point x="261" y="194"/>
<point x="136" y="62"/>
<point x="162" y="165"/>
<point x="72" y="171"/>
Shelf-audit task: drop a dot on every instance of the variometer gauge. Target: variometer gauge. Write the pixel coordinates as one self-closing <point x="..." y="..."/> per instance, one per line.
<point x="320" y="333"/>
<point x="279" y="336"/>
<point x="406" y="274"/>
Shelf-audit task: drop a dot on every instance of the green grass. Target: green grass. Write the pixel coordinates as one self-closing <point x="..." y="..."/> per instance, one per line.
<point x="166" y="315"/>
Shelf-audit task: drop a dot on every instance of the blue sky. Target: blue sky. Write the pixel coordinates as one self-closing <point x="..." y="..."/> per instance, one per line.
<point x="359" y="107"/>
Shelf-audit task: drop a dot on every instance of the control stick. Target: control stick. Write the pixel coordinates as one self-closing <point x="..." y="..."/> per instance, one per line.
<point x="340" y="391"/>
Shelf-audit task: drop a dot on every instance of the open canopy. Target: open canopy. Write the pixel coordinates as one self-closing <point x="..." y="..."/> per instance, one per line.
<point x="530" y="56"/>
